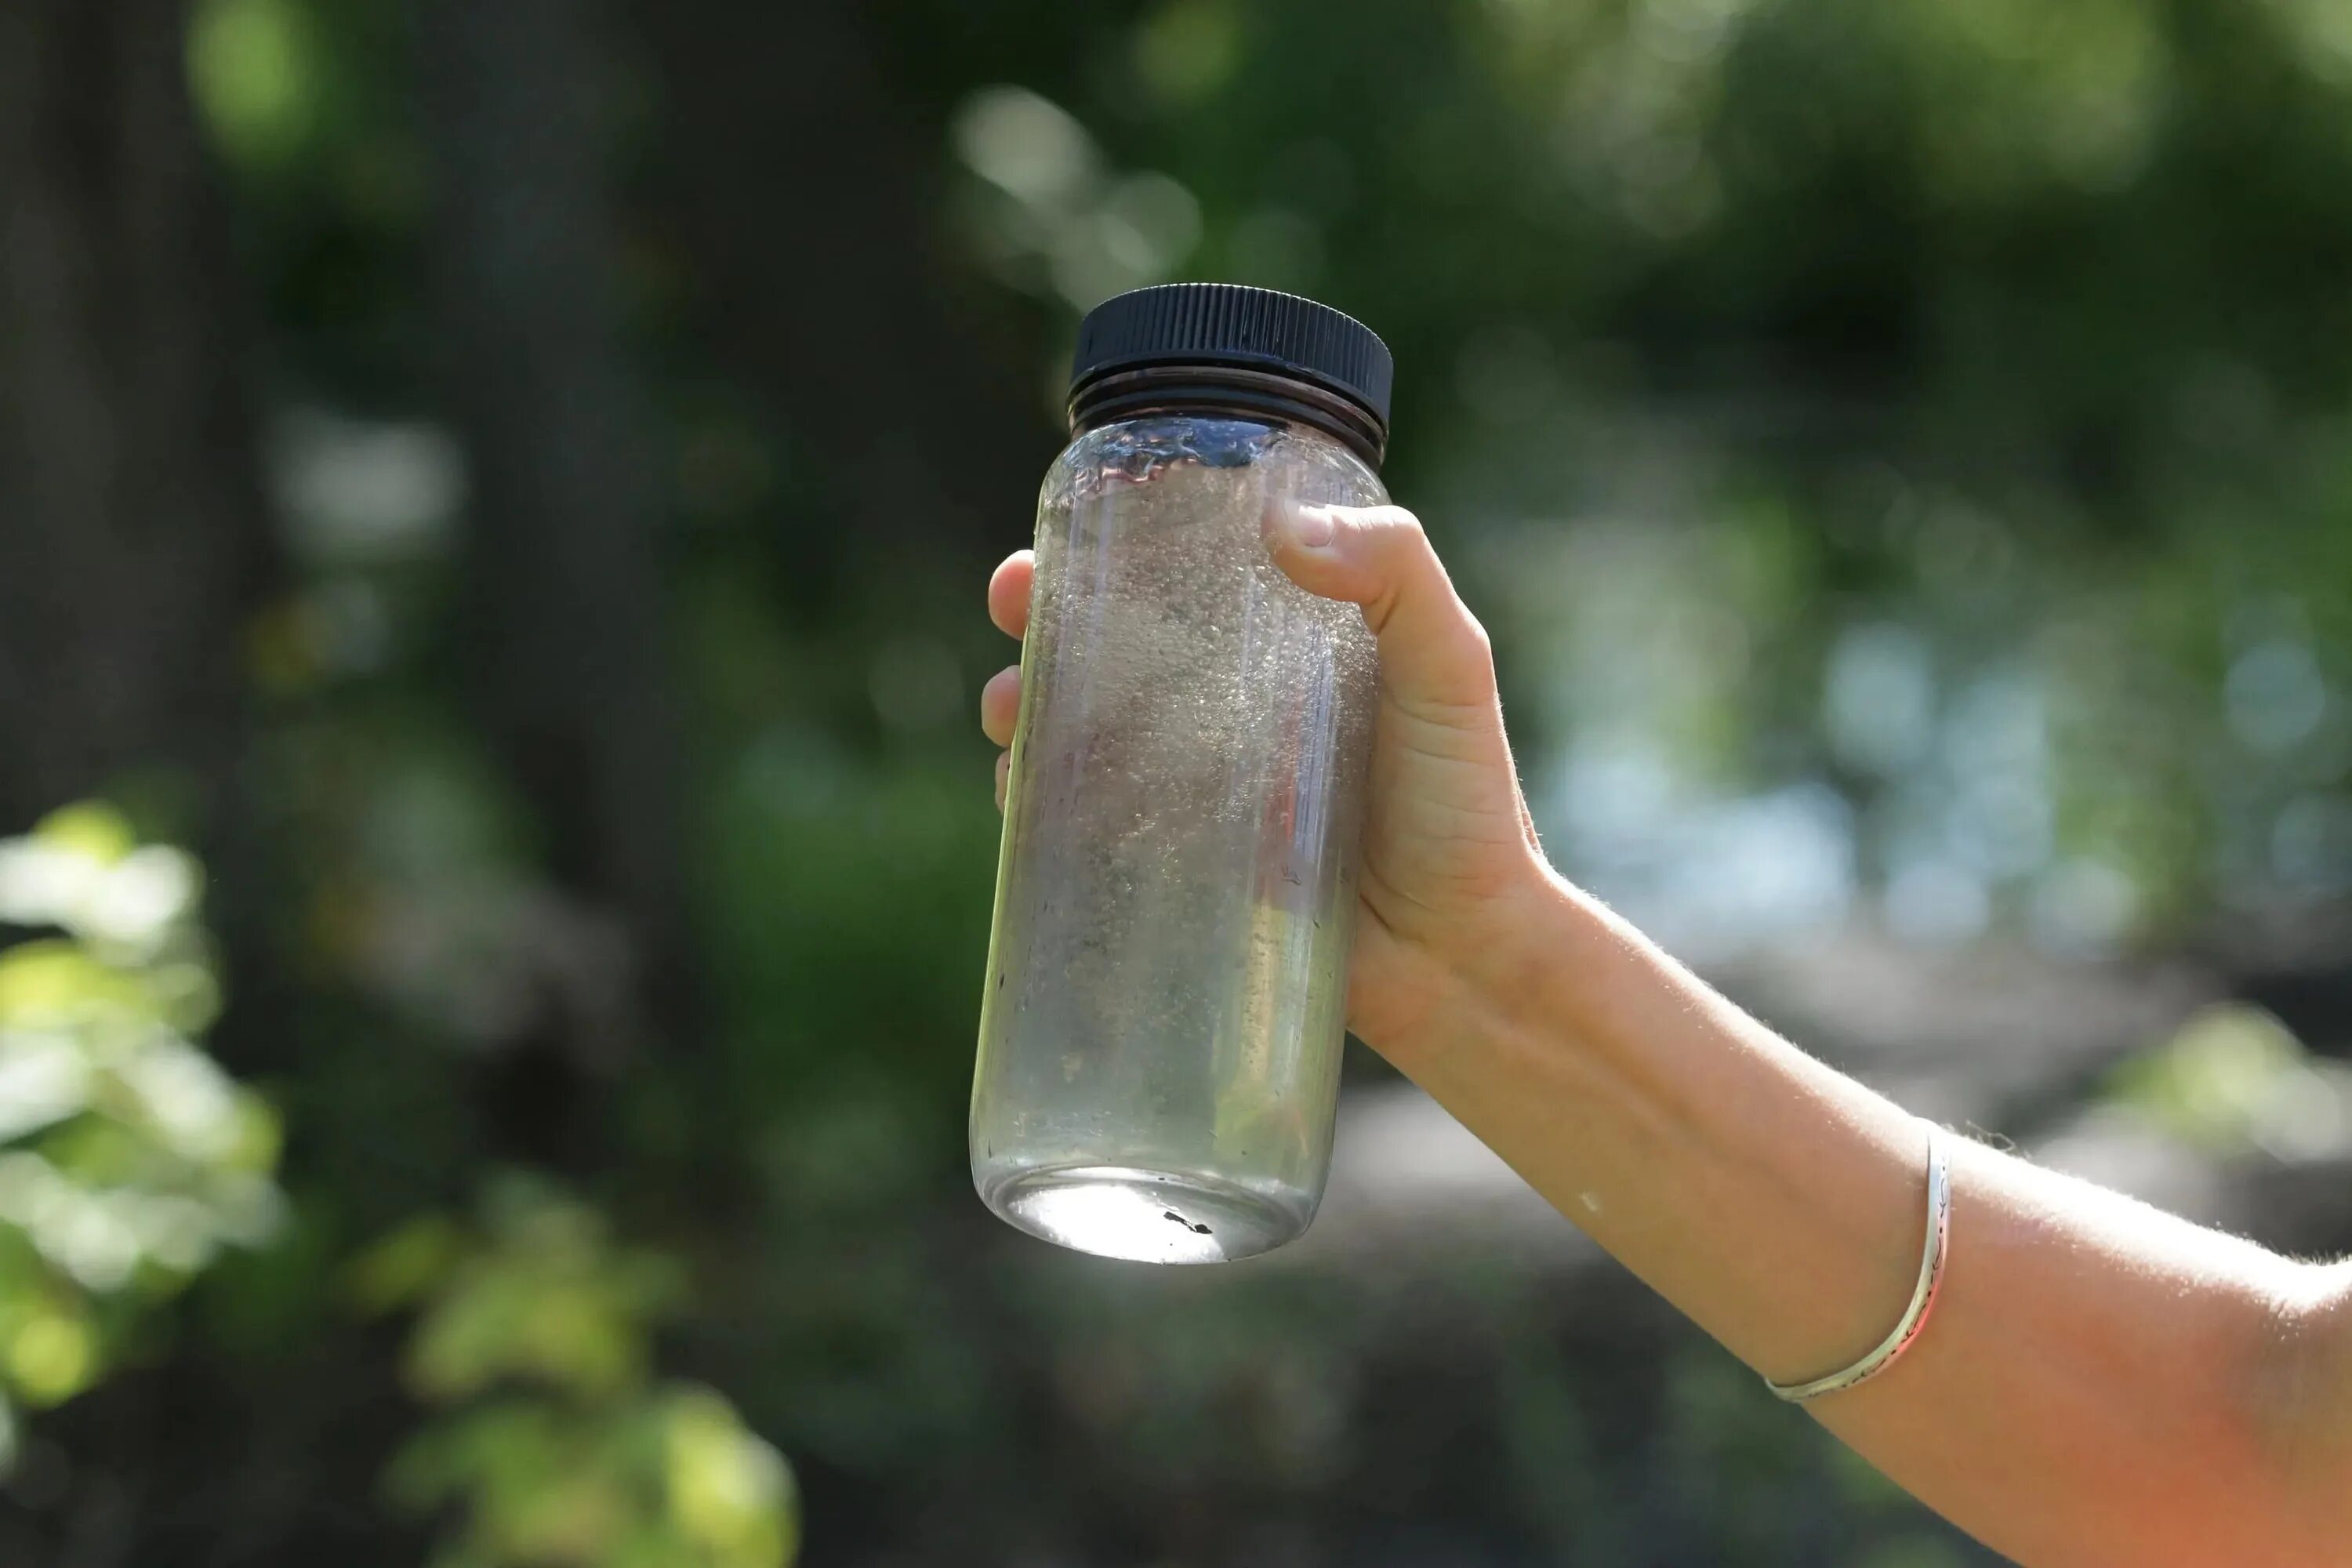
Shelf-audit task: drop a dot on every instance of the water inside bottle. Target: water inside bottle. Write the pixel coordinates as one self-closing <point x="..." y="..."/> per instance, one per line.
<point x="1162" y="1034"/>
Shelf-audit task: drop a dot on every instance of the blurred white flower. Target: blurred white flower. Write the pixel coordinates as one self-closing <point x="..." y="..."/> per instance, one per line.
<point x="44" y="1079"/>
<point x="42" y="884"/>
<point x="1069" y="222"/>
<point x="186" y="1097"/>
<point x="138" y="896"/>
<point x="1027" y="145"/>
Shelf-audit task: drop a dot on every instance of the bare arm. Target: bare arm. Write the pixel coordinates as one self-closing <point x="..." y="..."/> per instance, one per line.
<point x="2100" y="1383"/>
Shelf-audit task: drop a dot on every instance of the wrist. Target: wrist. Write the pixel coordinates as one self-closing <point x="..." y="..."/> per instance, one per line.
<point x="1496" y="968"/>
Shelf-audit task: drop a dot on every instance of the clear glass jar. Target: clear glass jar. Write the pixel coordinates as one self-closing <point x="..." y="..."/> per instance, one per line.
<point x="1161" y="1038"/>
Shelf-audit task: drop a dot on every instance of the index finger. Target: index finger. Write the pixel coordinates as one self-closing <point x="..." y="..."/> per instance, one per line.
<point x="1008" y="592"/>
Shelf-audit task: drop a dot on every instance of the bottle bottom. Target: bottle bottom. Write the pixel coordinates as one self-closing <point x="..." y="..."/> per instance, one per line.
<point x="1147" y="1216"/>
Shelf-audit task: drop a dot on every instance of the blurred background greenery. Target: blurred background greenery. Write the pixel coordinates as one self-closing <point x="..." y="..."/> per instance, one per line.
<point x="507" y="488"/>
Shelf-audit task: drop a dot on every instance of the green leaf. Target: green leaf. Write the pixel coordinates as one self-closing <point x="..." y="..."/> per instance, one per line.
<point x="91" y="830"/>
<point x="402" y="1266"/>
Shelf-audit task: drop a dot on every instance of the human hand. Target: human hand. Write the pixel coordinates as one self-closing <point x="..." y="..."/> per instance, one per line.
<point x="1449" y="849"/>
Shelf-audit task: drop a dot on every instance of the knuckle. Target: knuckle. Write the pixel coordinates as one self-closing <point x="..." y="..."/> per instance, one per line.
<point x="1403" y="537"/>
<point x="1477" y="638"/>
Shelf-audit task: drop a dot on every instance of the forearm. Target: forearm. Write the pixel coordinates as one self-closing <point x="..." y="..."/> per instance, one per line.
<point x="2100" y="1383"/>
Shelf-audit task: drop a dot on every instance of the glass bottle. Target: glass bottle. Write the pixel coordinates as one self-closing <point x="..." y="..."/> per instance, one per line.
<point x="1160" y="1031"/>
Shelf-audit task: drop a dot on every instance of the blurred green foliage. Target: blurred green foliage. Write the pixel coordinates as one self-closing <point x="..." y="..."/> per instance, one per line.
<point x="1942" y="403"/>
<point x="2235" y="1079"/>
<point x="253" y="66"/>
<point x="126" y="1158"/>
<point x="533" y="1339"/>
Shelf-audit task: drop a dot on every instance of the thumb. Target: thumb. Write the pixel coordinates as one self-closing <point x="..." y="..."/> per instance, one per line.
<point x="1434" y="652"/>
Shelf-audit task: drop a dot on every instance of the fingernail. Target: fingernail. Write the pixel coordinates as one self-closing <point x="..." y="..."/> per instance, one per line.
<point x="1311" y="528"/>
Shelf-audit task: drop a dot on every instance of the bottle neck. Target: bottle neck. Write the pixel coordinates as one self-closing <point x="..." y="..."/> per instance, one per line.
<point x="1228" y="392"/>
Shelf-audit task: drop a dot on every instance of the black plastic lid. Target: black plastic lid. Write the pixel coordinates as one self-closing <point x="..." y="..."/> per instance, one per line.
<point x="1226" y="345"/>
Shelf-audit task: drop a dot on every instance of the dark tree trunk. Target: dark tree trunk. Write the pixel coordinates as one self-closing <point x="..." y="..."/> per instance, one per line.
<point x="801" y="192"/>
<point x="568" y="602"/>
<point x="134" y="549"/>
<point x="133" y="543"/>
